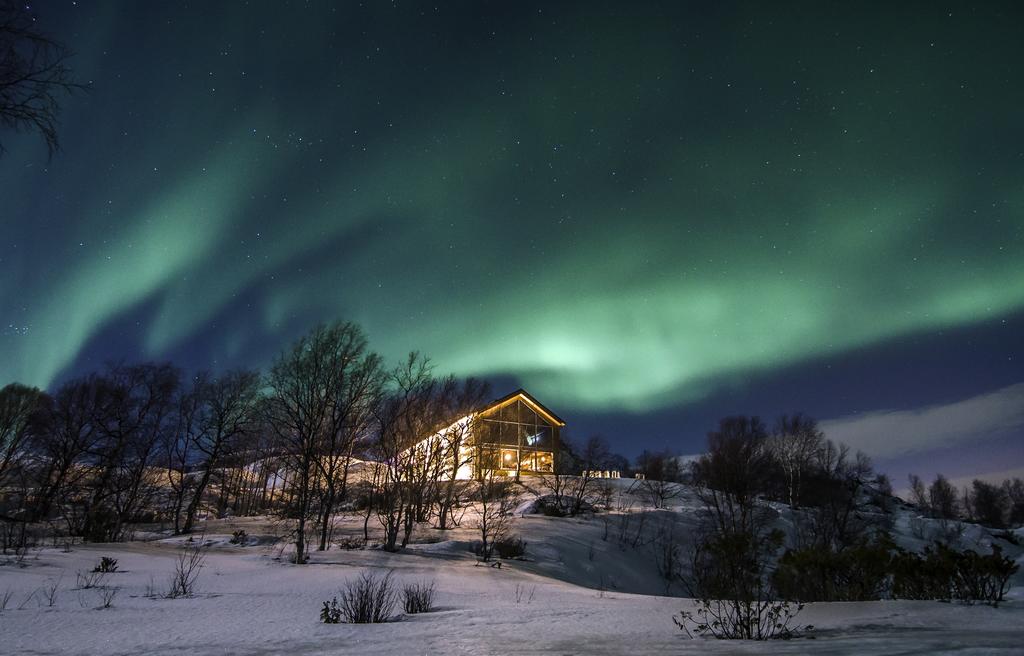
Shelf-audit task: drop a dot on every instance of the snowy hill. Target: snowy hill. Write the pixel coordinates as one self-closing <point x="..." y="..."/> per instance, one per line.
<point x="586" y="585"/>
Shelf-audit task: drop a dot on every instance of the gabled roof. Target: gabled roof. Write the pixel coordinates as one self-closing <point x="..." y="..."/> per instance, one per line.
<point x="528" y="400"/>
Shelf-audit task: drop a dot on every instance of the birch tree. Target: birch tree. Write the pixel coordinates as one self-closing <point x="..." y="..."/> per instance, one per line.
<point x="303" y="391"/>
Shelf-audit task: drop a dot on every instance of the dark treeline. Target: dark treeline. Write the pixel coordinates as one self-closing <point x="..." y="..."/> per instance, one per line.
<point x="835" y="542"/>
<point x="133" y="444"/>
<point x="989" y="504"/>
<point x="326" y="428"/>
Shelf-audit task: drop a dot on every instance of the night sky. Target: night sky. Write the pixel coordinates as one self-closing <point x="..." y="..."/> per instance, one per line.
<point x="648" y="215"/>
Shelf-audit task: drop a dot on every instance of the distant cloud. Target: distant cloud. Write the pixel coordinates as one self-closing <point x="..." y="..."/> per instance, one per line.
<point x="893" y="433"/>
<point x="990" y="477"/>
<point x="961" y="482"/>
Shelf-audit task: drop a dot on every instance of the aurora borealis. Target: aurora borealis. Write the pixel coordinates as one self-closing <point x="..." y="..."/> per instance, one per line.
<point x="647" y="214"/>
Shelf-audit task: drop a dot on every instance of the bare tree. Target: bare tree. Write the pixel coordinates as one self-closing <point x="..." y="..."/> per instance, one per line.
<point x="594" y="458"/>
<point x="497" y="502"/>
<point x="662" y="472"/>
<point x="179" y="447"/>
<point x="919" y="493"/>
<point x="736" y="543"/>
<point x="422" y="424"/>
<point x="942" y="499"/>
<point x="252" y="476"/>
<point x="34" y="75"/>
<point x="67" y="436"/>
<point x="988" y="504"/>
<point x="730" y="475"/>
<point x="795" y="444"/>
<point x="447" y="492"/>
<point x="1014" y="491"/>
<point x="138" y="482"/>
<point x="358" y="381"/>
<point x="455" y="452"/>
<point x="573" y="484"/>
<point x="370" y="488"/>
<point x="130" y="418"/>
<point x="406" y="447"/>
<point x="882" y="493"/>
<point x="390" y="489"/>
<point x="303" y="386"/>
<point x="227" y="411"/>
<point x="836" y="500"/>
<point x="558" y="485"/>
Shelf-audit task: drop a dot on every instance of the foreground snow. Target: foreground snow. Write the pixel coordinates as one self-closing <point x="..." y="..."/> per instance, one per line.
<point x="588" y="586"/>
<point x="250" y="602"/>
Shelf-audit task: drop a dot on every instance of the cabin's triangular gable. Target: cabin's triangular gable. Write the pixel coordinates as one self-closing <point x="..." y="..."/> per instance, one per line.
<point x="525" y="397"/>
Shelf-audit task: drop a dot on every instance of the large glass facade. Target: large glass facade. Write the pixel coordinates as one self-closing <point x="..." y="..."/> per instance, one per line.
<point x="514" y="438"/>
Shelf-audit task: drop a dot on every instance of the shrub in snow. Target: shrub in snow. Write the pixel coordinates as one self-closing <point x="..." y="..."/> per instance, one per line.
<point x="87" y="580"/>
<point x="550" y="509"/>
<point x="922" y="577"/>
<point x="350" y="544"/>
<point x="525" y="594"/>
<point x="239" y="537"/>
<point x="510" y="547"/>
<point x="944" y="573"/>
<point x="878" y="569"/>
<point x="106" y="565"/>
<point x="331" y="612"/>
<point x="418" y="597"/>
<point x="368" y="599"/>
<point x="983" y="578"/>
<point x="107" y="594"/>
<point x="186" y="572"/>
<point x="858" y="573"/>
<point x="728" y="578"/>
<point x="550" y="505"/>
<point x="727" y="619"/>
<point x="50" y="591"/>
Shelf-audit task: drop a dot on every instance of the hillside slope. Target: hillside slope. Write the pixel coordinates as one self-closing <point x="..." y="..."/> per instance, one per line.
<point x="573" y="594"/>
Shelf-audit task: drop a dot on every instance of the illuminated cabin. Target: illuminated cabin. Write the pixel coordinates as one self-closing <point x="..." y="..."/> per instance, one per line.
<point x="512" y="436"/>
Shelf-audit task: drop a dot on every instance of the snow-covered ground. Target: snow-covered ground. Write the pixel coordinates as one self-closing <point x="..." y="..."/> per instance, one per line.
<point x="569" y="597"/>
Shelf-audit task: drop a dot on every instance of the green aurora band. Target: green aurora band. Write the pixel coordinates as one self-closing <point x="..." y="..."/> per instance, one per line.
<point x="613" y="231"/>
